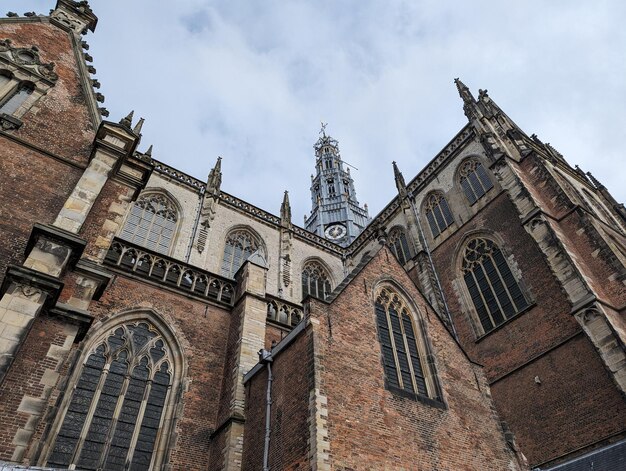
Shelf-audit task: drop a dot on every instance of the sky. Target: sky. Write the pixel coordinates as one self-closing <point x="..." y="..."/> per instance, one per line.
<point x="251" y="81"/>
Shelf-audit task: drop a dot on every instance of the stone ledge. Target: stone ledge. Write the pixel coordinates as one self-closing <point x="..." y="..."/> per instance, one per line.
<point x="75" y="243"/>
<point x="83" y="319"/>
<point x="95" y="272"/>
<point x="9" y="123"/>
<point x="50" y="285"/>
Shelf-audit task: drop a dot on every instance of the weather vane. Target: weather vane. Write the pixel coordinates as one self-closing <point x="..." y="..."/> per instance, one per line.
<point x="323" y="130"/>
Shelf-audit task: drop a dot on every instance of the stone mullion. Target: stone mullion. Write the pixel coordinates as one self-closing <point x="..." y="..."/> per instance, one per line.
<point x="90" y="412"/>
<point x="140" y="414"/>
<point x="393" y="346"/>
<point x="401" y="314"/>
<point x="157" y="452"/>
<point x="482" y="297"/>
<point x="116" y="415"/>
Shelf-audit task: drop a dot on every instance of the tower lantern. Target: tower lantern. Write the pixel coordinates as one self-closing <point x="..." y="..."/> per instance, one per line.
<point x="336" y="213"/>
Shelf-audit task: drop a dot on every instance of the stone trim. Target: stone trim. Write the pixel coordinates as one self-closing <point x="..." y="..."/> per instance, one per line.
<point x="50" y="286"/>
<point x="82" y="319"/>
<point x="61" y="236"/>
<point x="41" y="151"/>
<point x="94" y="272"/>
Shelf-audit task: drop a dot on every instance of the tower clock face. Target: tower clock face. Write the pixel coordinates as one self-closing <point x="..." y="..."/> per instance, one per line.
<point x="336" y="231"/>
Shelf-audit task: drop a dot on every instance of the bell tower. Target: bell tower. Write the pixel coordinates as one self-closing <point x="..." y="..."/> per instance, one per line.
<point x="336" y="213"/>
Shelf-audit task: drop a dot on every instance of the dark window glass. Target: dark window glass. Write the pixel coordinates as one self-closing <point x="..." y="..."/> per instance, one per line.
<point x="404" y="366"/>
<point x="494" y="291"/>
<point x="16" y="99"/>
<point x="438" y="213"/>
<point x="240" y="244"/>
<point x="315" y="280"/>
<point x="399" y="245"/>
<point x="129" y="381"/>
<point x="474" y="180"/>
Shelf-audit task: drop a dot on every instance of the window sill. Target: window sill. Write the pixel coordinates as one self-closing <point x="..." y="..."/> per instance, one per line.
<point x="9" y="123"/>
<point x="499" y="326"/>
<point x="416" y="397"/>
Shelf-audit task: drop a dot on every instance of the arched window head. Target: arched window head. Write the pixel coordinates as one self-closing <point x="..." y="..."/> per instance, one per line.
<point x="404" y="351"/>
<point x="114" y="417"/>
<point x="315" y="280"/>
<point x="474" y="180"/>
<point x="438" y="213"/>
<point x="399" y="244"/>
<point x="240" y="244"/>
<point x="152" y="222"/>
<point x="15" y="99"/>
<point x="495" y="292"/>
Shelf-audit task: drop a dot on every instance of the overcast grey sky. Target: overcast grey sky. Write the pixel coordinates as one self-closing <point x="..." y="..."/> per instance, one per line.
<point x="251" y="80"/>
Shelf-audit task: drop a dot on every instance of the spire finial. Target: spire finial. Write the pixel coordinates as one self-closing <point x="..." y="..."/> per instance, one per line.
<point x="400" y="183"/>
<point x="138" y="126"/>
<point x="469" y="103"/>
<point x="323" y="130"/>
<point x="128" y="120"/>
<point x="215" y="178"/>
<point x="285" y="210"/>
<point x="149" y="151"/>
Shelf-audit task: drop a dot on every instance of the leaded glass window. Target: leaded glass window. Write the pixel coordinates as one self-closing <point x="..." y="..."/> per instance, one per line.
<point x="495" y="292"/>
<point x="17" y="98"/>
<point x="114" y="416"/>
<point x="404" y="361"/>
<point x="438" y="213"/>
<point x="240" y="244"/>
<point x="152" y="223"/>
<point x="399" y="245"/>
<point x="315" y="280"/>
<point x="474" y="180"/>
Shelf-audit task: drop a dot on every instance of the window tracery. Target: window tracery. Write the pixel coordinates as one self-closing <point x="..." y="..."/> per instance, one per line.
<point x="240" y="244"/>
<point x="152" y="222"/>
<point x="399" y="244"/>
<point x="115" y="414"/>
<point x="474" y="180"/>
<point x="404" y="353"/>
<point x="494" y="291"/>
<point x="315" y="280"/>
<point x="438" y="213"/>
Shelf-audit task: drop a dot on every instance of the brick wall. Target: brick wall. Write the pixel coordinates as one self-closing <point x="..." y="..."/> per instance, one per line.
<point x="59" y="122"/>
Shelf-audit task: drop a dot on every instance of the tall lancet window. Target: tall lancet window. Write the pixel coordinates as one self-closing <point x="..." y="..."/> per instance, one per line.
<point x="315" y="280"/>
<point x="474" y="180"/>
<point x="239" y="245"/>
<point x="152" y="222"/>
<point x="495" y="292"/>
<point x="438" y="213"/>
<point x="399" y="245"/>
<point x="404" y="349"/>
<point x="115" y="416"/>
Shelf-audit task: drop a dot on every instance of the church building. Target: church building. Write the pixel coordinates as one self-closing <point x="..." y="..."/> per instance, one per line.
<point x="151" y="321"/>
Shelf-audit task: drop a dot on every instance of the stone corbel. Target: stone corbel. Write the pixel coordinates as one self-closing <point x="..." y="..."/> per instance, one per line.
<point x="52" y="250"/>
<point x="32" y="283"/>
<point x="97" y="274"/>
<point x="9" y="123"/>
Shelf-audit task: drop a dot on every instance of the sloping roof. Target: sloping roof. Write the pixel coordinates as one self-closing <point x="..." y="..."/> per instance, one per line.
<point x="609" y="458"/>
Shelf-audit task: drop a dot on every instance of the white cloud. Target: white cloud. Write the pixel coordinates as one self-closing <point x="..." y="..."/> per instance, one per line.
<point x="250" y="81"/>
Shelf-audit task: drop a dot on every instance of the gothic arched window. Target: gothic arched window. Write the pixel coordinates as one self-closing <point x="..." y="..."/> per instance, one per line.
<point x="474" y="180"/>
<point x="16" y="98"/>
<point x="114" y="417"/>
<point x="438" y="213"/>
<point x="240" y="244"/>
<point x="404" y="351"/>
<point x="152" y="222"/>
<point x="495" y="292"/>
<point x="315" y="280"/>
<point x="399" y="245"/>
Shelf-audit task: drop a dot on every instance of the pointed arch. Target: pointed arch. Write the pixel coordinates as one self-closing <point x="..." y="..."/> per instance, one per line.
<point x="316" y="278"/>
<point x="406" y="353"/>
<point x="118" y="409"/>
<point x="399" y="243"/>
<point x="240" y="243"/>
<point x="437" y="212"/>
<point x="153" y="221"/>
<point x="473" y="179"/>
<point x="494" y="293"/>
